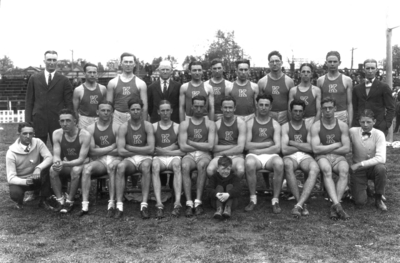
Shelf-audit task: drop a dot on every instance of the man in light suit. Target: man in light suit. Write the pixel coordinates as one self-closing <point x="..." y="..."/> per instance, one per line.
<point x="164" y="89"/>
<point x="48" y="92"/>
<point x="376" y="96"/>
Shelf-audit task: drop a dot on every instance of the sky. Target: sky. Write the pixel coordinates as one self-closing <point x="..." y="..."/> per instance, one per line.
<point x="102" y="30"/>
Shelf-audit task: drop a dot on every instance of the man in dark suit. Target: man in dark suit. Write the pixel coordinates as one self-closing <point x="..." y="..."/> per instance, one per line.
<point x="164" y="89"/>
<point x="48" y="92"/>
<point x="374" y="95"/>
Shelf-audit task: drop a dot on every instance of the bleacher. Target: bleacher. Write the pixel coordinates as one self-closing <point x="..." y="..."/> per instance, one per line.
<point x="12" y="92"/>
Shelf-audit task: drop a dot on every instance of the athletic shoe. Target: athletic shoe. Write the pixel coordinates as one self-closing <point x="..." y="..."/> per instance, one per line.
<point x="250" y="207"/>
<point x="342" y="214"/>
<point x="82" y="213"/>
<point x="54" y="205"/>
<point x="118" y="214"/>
<point x="110" y="212"/>
<point x="296" y="211"/>
<point x="198" y="210"/>
<point x="218" y="213"/>
<point x="67" y="207"/>
<point x="227" y="212"/>
<point x="189" y="211"/>
<point x="305" y="211"/>
<point x="333" y="214"/>
<point x="29" y="196"/>
<point x="176" y="212"/>
<point x="380" y="205"/>
<point x="145" y="213"/>
<point x="18" y="206"/>
<point x="44" y="204"/>
<point x="276" y="208"/>
<point x="160" y="213"/>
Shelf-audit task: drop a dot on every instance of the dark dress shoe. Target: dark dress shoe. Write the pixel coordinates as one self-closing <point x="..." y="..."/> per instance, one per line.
<point x="189" y="211"/>
<point x="342" y="214"/>
<point x="250" y="207"/>
<point x="145" y="213"/>
<point x="176" y="212"/>
<point x="82" y="213"/>
<point x="380" y="205"/>
<point x="227" y="212"/>
<point x="110" y="212"/>
<point x="43" y="204"/>
<point x="199" y="210"/>
<point x="160" y="213"/>
<point x="118" y="214"/>
<point x="218" y="213"/>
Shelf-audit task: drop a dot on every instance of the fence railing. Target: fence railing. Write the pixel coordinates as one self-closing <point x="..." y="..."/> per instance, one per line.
<point x="9" y="116"/>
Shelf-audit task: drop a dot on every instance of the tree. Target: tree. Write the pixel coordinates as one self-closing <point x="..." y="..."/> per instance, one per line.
<point x="156" y="62"/>
<point x="100" y="67"/>
<point x="395" y="59"/>
<point x="226" y="48"/>
<point x="189" y="59"/>
<point x="113" y="64"/>
<point x="6" y="63"/>
<point x="171" y="59"/>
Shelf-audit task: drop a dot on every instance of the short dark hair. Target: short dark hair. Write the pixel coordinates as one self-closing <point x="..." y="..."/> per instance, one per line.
<point x="371" y="60"/>
<point x="333" y="53"/>
<point x="50" y="52"/>
<point x="89" y="65"/>
<point x="199" y="97"/>
<point x="105" y="102"/>
<point x="135" y="100"/>
<point x="225" y="161"/>
<point x="274" y="53"/>
<point x="242" y="61"/>
<point x="23" y="125"/>
<point x="194" y="63"/>
<point x="367" y="113"/>
<point x="126" y="54"/>
<point x="228" y="98"/>
<point x="162" y="102"/>
<point x="264" y="96"/>
<point x="67" y="111"/>
<point x="328" y="99"/>
<point x="216" y="61"/>
<point x="307" y="65"/>
<point x="297" y="102"/>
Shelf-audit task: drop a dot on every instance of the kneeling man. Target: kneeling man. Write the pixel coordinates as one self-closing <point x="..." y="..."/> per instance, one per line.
<point x="330" y="142"/>
<point x="263" y="141"/>
<point x="369" y="157"/>
<point x="135" y="142"/>
<point x="71" y="147"/>
<point x="196" y="138"/>
<point x="25" y="172"/>
<point x="296" y="148"/>
<point x="167" y="156"/>
<point x="103" y="150"/>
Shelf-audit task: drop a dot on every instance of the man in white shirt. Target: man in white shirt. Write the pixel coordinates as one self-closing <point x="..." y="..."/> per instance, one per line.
<point x="369" y="158"/>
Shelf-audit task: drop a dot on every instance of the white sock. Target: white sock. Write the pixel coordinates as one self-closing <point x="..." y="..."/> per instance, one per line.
<point x="120" y="206"/>
<point x="197" y="202"/>
<point x="111" y="204"/>
<point x="298" y="206"/>
<point x="69" y="202"/>
<point x="61" y="200"/>
<point x="275" y="200"/>
<point x="253" y="198"/>
<point x="189" y="203"/>
<point x="85" y="205"/>
<point x="143" y="204"/>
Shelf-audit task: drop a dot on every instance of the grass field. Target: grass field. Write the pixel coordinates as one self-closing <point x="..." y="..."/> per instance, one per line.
<point x="36" y="235"/>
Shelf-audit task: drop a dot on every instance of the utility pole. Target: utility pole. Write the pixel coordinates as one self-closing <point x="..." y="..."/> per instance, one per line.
<point x="389" y="71"/>
<point x="352" y="51"/>
<point x="72" y="63"/>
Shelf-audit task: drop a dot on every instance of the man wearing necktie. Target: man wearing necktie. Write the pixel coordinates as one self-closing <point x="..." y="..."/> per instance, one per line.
<point x="369" y="158"/>
<point x="47" y="93"/>
<point x="374" y="95"/>
<point x="163" y="89"/>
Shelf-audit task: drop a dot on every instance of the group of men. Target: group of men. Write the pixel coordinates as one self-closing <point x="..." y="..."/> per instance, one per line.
<point x="272" y="125"/>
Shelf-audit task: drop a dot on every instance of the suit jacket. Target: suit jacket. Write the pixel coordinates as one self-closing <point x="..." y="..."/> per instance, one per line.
<point x="379" y="100"/>
<point x="155" y="95"/>
<point x="43" y="102"/>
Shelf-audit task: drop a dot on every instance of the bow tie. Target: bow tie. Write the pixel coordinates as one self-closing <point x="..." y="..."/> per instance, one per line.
<point x="368" y="83"/>
<point x="366" y="133"/>
<point x="27" y="149"/>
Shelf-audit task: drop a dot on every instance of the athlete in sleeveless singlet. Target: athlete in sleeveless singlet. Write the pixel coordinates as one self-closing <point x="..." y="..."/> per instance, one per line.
<point x="230" y="138"/>
<point x="135" y="142"/>
<point x="339" y="87"/>
<point x="196" y="139"/>
<point x="125" y="87"/>
<point x="330" y="142"/>
<point x="263" y="142"/>
<point x="70" y="150"/>
<point x="311" y="95"/>
<point x="103" y="151"/>
<point x="244" y="91"/>
<point x="167" y="156"/>
<point x="193" y="88"/>
<point x="219" y="86"/>
<point x="277" y="85"/>
<point x="296" y="148"/>
<point x="87" y="96"/>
